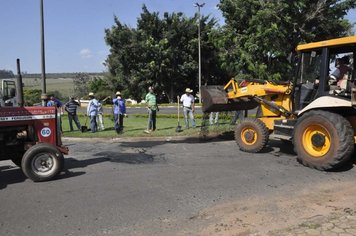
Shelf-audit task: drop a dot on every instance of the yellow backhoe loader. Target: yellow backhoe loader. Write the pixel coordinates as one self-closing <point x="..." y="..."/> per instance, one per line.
<point x="314" y="111"/>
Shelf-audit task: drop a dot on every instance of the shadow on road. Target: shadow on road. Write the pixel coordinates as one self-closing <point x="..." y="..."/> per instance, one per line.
<point x="10" y="175"/>
<point x="14" y="175"/>
<point x="287" y="148"/>
<point x="211" y="137"/>
<point x="283" y="147"/>
<point x="110" y="156"/>
<point x="128" y="158"/>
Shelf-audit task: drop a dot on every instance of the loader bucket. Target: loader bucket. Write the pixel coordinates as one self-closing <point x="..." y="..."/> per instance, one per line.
<point x="215" y="99"/>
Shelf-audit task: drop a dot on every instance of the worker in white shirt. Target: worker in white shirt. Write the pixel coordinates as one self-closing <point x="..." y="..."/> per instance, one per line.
<point x="188" y="107"/>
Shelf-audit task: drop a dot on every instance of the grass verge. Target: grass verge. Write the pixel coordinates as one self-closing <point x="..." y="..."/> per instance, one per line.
<point x="135" y="125"/>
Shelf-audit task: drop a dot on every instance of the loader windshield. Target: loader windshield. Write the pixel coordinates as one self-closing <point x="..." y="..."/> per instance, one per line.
<point x="310" y="67"/>
<point x="307" y="79"/>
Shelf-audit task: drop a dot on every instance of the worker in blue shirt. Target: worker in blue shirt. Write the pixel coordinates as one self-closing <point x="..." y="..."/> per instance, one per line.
<point x="119" y="112"/>
<point x="92" y="112"/>
<point x="55" y="102"/>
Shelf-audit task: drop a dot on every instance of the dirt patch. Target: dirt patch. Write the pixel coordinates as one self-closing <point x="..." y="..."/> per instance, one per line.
<point x="260" y="215"/>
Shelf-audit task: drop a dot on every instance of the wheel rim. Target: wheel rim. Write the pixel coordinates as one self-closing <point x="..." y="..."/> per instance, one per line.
<point x="43" y="164"/>
<point x="249" y="136"/>
<point x="316" y="140"/>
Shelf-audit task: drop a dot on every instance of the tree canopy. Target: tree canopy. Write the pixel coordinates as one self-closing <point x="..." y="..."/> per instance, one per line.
<point x="256" y="41"/>
<point x="160" y="52"/>
<point x="6" y="74"/>
<point x="261" y="35"/>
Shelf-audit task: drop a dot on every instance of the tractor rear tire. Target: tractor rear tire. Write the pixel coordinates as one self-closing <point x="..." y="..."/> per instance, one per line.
<point x="42" y="162"/>
<point x="251" y="135"/>
<point x="323" y="140"/>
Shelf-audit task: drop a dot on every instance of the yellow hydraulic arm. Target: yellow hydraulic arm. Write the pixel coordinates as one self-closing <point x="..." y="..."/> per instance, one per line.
<point x="260" y="88"/>
<point x="274" y="97"/>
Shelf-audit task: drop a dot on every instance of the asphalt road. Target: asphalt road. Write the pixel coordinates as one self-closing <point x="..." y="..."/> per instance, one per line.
<point x="148" y="187"/>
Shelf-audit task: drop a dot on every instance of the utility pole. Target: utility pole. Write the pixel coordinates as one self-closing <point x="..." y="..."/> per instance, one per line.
<point x="199" y="48"/>
<point x="43" y="65"/>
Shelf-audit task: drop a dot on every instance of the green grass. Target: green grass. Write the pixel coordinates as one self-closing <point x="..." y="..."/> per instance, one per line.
<point x="64" y="85"/>
<point x="136" y="124"/>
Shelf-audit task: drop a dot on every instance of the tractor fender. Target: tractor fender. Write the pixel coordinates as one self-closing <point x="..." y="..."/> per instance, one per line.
<point x="325" y="102"/>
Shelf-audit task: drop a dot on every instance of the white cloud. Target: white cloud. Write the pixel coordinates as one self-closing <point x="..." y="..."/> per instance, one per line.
<point x="85" y="53"/>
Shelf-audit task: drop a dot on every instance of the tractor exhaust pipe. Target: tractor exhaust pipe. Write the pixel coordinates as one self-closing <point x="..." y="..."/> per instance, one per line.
<point x="19" y="86"/>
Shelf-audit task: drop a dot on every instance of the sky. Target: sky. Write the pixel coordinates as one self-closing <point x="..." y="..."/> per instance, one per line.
<point x="75" y="30"/>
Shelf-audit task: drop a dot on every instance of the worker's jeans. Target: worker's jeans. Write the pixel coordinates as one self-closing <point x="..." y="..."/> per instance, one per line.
<point x="74" y="117"/>
<point x="119" y="122"/>
<point x="151" y="119"/>
<point x="237" y="115"/>
<point x="187" y="111"/>
<point x="93" y="124"/>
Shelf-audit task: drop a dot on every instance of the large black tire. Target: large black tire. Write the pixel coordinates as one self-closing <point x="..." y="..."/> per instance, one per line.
<point x="42" y="162"/>
<point x="251" y="135"/>
<point x="323" y="140"/>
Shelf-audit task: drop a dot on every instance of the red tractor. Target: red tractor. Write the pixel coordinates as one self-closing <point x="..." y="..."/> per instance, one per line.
<point x="29" y="136"/>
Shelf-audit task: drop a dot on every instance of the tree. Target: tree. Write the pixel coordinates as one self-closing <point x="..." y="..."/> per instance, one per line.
<point x="6" y="74"/>
<point x="160" y="52"/>
<point x="57" y="94"/>
<point x="81" y="81"/>
<point x="32" y="96"/>
<point x="101" y="87"/>
<point x="261" y="35"/>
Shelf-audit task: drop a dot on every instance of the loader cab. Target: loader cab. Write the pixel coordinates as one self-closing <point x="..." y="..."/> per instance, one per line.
<point x="307" y="79"/>
<point x="316" y="66"/>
